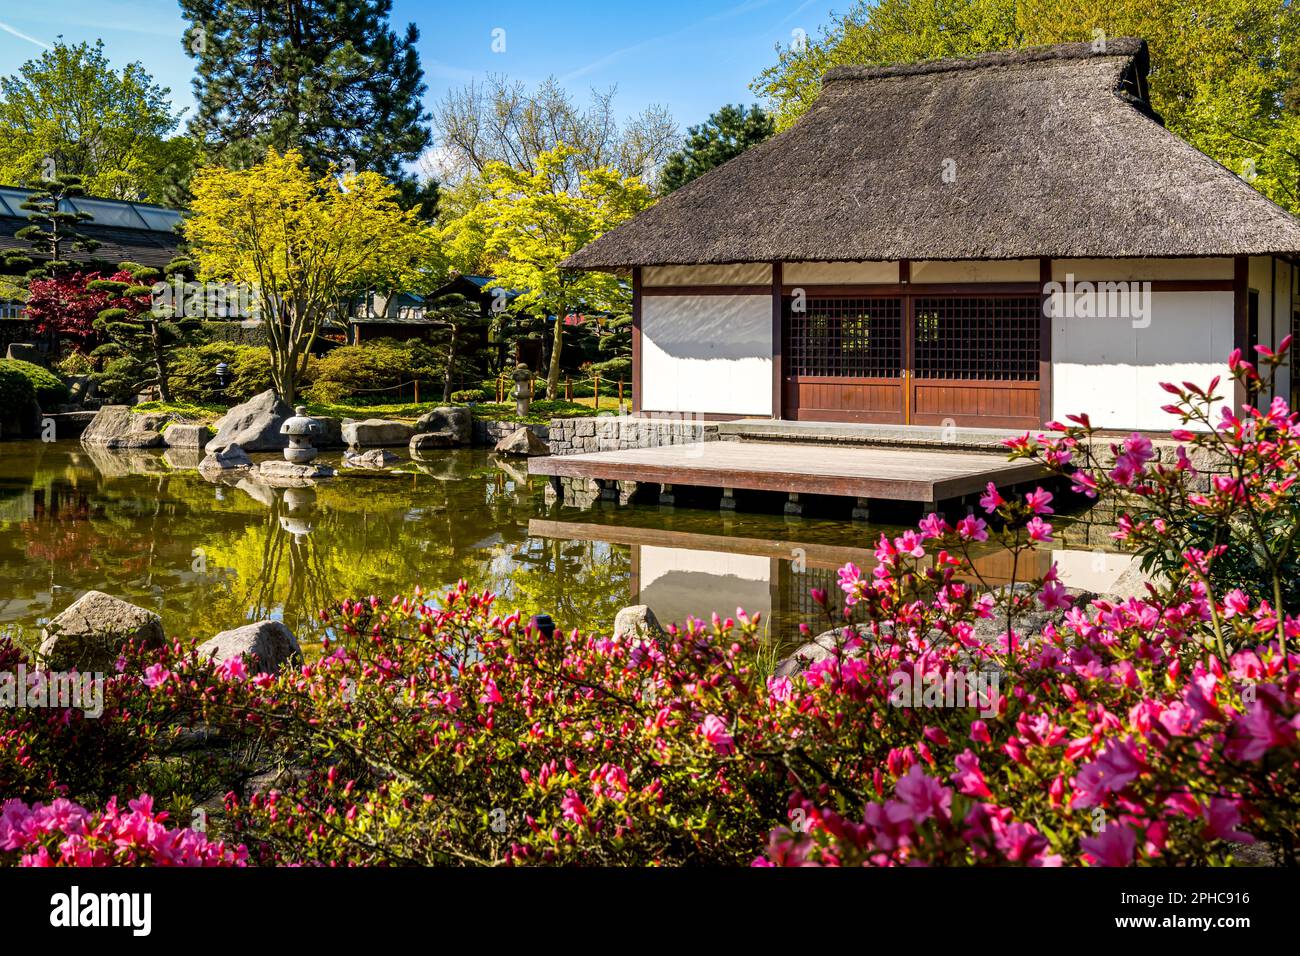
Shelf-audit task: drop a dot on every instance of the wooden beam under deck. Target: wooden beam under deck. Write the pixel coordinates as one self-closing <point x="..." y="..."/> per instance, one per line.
<point x="891" y="474"/>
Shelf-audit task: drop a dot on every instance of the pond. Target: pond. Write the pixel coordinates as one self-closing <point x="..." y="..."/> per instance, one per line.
<point x="146" y="527"/>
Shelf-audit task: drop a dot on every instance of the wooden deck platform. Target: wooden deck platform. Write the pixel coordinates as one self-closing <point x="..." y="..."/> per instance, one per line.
<point x="892" y="474"/>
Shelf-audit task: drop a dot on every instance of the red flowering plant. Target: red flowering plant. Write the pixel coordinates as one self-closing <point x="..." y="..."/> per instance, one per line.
<point x="950" y="723"/>
<point x="1155" y="730"/>
<point x="63" y="833"/>
<point x="64" y="305"/>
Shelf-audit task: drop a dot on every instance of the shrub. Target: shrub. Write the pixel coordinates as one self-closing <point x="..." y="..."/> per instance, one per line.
<point x="74" y="363"/>
<point x="47" y="387"/>
<point x="363" y="371"/>
<point x="469" y="396"/>
<point x="195" y="379"/>
<point x="63" y="833"/>
<point x="18" y="407"/>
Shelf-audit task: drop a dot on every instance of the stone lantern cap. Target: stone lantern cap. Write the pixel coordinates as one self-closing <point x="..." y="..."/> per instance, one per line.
<point x="300" y="426"/>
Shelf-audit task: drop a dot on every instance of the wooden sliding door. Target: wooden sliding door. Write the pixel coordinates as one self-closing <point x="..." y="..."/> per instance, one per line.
<point x="913" y="358"/>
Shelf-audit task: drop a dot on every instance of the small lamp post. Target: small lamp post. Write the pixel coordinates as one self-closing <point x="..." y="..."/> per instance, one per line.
<point x="523" y="392"/>
<point x="300" y="430"/>
<point x="223" y="377"/>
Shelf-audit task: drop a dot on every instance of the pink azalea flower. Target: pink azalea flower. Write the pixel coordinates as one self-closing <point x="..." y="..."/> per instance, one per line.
<point x="972" y="528"/>
<point x="1113" y="846"/>
<point x="968" y="778"/>
<point x="714" y="730"/>
<point x="1039" y="530"/>
<point x="155" y="675"/>
<point x="1222" y="817"/>
<point x="1039" y="501"/>
<point x="572" y="807"/>
<point x="990" y="500"/>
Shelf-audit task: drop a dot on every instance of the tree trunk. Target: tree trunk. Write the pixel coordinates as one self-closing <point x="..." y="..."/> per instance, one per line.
<point x="160" y="364"/>
<point x="451" y="362"/>
<point x="553" y="373"/>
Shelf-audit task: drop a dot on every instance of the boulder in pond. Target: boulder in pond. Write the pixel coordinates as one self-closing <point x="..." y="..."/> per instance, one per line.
<point x="639" y="623"/>
<point x="265" y="646"/>
<point x="89" y="634"/>
<point x="431" y="441"/>
<point x="186" y="435"/>
<point x="456" y="423"/>
<point x="229" y="458"/>
<point x="116" y="426"/>
<point x="254" y="425"/>
<point x="376" y="433"/>
<point x="524" y="443"/>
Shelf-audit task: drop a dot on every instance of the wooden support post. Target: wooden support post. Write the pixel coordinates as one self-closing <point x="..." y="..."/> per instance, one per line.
<point x="666" y="496"/>
<point x="793" y="506"/>
<point x="568" y="388"/>
<point x="596" y="380"/>
<point x="728" y="502"/>
<point x="862" y="510"/>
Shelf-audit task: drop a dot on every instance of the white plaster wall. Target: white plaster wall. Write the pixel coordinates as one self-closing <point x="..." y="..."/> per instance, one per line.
<point x="1013" y="270"/>
<point x="838" y="273"/>
<point x="706" y="353"/>
<point x="1122" y="270"/>
<point x="1112" y="371"/>
<point x="746" y="273"/>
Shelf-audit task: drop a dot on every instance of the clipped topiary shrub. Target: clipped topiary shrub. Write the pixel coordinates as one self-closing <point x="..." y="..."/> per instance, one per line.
<point x="18" y="407"/>
<point x="49" y="389"/>
<point x="469" y="396"/>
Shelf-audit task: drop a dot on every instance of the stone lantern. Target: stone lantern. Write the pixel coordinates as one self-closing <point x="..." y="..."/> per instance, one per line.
<point x="523" y="392"/>
<point x="300" y="430"/>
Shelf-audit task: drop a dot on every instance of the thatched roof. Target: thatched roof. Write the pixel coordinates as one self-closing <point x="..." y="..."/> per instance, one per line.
<point x="1055" y="153"/>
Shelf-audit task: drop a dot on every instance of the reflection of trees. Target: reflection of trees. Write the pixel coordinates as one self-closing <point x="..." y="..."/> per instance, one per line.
<point x="208" y="557"/>
<point x="579" y="583"/>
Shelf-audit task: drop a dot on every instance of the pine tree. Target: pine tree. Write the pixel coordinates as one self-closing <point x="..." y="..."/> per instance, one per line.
<point x="329" y="79"/>
<point x="52" y="232"/>
<point x="139" y="338"/>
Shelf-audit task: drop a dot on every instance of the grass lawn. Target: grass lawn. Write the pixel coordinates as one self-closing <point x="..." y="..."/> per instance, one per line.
<point x="541" y="412"/>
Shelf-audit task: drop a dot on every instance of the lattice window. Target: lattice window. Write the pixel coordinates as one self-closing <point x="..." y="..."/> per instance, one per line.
<point x="978" y="337"/>
<point x="850" y="338"/>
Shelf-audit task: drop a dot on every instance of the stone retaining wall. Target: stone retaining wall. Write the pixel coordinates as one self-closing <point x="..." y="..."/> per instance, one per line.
<point x="573" y="436"/>
<point x="489" y="432"/>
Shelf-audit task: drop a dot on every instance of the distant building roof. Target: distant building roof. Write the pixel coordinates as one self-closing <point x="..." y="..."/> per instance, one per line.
<point x="126" y="231"/>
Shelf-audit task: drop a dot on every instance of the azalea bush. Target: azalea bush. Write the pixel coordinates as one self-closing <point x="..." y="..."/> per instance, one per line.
<point x="944" y="721"/>
<point x="64" y="833"/>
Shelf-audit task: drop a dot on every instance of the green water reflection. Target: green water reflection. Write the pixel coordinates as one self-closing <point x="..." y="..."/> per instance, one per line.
<point x="205" y="556"/>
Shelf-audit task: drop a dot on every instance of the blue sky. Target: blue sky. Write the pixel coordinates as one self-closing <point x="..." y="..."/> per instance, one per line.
<point x="690" y="55"/>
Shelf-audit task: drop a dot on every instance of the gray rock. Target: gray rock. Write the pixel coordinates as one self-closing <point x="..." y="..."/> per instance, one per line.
<point x="638" y="622"/>
<point x="293" y="471"/>
<point x="89" y="634"/>
<point x="428" y="441"/>
<point x="1132" y="583"/>
<point x="374" y="459"/>
<point x="26" y="352"/>
<point x="182" y="435"/>
<point x="115" y="426"/>
<point x="818" y="649"/>
<point x="524" y="443"/>
<point x="71" y="424"/>
<point x="376" y="433"/>
<point x="229" y="458"/>
<point x="457" y="422"/>
<point x="254" y="425"/>
<point x="81" y="388"/>
<point x="266" y="646"/>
